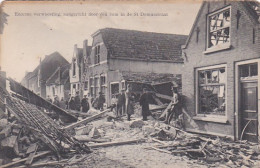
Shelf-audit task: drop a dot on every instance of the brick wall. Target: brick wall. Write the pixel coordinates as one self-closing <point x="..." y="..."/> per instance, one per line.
<point x="242" y="48"/>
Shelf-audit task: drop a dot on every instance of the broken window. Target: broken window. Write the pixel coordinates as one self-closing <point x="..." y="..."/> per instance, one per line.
<point x="211" y="90"/>
<point x="97" y="54"/>
<point x="219" y="28"/>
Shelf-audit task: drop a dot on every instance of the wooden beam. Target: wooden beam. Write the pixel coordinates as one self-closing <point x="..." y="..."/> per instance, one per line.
<point x="22" y="160"/>
<point x="115" y="143"/>
<point x="86" y="120"/>
<point x="32" y="155"/>
<point x="164" y="96"/>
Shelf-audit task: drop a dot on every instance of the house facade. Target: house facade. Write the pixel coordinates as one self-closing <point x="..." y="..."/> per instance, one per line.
<point x="75" y="70"/>
<point x="220" y="77"/>
<point x="116" y="53"/>
<point x="58" y="83"/>
<point x="36" y="80"/>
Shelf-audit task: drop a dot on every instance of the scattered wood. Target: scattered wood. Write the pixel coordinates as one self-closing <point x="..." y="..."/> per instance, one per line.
<point x="32" y="154"/>
<point x="115" y="143"/>
<point x="86" y="120"/>
<point x="78" y="113"/>
<point x="161" y="150"/>
<point x="161" y="142"/>
<point x="51" y="163"/>
<point x="85" y="138"/>
<point x="5" y="132"/>
<point x="23" y="160"/>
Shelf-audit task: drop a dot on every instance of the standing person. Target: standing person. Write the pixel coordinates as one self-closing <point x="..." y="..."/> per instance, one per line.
<point x="173" y="111"/>
<point x="67" y="101"/>
<point x="49" y="99"/>
<point x="77" y="101"/>
<point x="114" y="101"/>
<point x="121" y="103"/>
<point x="72" y="105"/>
<point x="56" y="101"/>
<point x="100" y="100"/>
<point x="129" y="102"/>
<point x="144" y="102"/>
<point x="85" y="104"/>
<point x="62" y="103"/>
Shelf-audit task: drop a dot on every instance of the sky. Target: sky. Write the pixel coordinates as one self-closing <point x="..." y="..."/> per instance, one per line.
<point x="26" y="39"/>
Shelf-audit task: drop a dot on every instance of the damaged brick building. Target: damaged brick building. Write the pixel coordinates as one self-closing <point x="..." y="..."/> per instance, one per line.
<point x="221" y="73"/>
<point x="118" y="54"/>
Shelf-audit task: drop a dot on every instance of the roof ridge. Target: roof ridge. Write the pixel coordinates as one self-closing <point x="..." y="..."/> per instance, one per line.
<point x="141" y="31"/>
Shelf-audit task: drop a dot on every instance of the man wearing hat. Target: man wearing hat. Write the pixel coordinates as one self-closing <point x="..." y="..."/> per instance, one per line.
<point x="84" y="104"/>
<point x="174" y="105"/>
<point x="144" y="102"/>
<point x="77" y="101"/>
<point x="121" y="103"/>
<point x="100" y="101"/>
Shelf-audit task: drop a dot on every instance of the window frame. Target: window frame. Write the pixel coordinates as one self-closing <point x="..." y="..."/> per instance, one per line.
<point x="103" y="85"/>
<point x="219" y="46"/>
<point x="97" y="54"/>
<point x="209" y="117"/>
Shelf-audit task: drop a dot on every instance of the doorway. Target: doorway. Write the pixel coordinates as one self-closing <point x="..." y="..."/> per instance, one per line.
<point x="249" y="101"/>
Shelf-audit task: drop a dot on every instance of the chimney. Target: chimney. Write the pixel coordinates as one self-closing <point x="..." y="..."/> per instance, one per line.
<point x="85" y="46"/>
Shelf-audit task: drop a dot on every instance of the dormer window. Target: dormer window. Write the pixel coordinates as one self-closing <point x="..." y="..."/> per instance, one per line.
<point x="219" y="29"/>
<point x="97" y="54"/>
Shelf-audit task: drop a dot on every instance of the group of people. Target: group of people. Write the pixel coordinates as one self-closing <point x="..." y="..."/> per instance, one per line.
<point x="125" y="104"/>
<point x="72" y="103"/>
<point x="126" y="100"/>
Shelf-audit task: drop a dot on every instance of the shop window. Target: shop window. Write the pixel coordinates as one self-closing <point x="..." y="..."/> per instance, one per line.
<point x="219" y="28"/>
<point x="211" y="91"/>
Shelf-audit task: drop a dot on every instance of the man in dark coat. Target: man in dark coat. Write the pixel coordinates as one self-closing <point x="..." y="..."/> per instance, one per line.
<point x="100" y="100"/>
<point x="56" y="101"/>
<point x="72" y="104"/>
<point x="85" y="104"/>
<point x="77" y="101"/>
<point x="121" y="103"/>
<point x="144" y="102"/>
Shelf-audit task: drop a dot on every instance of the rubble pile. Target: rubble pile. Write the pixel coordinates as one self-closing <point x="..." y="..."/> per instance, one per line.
<point x="31" y="133"/>
<point x="206" y="149"/>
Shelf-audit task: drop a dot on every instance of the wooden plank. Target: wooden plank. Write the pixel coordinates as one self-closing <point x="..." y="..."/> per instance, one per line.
<point x="164" y="96"/>
<point x="22" y="160"/>
<point x="115" y="143"/>
<point x="31" y="156"/>
<point x="161" y="142"/>
<point x="161" y="150"/>
<point x="86" y="120"/>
